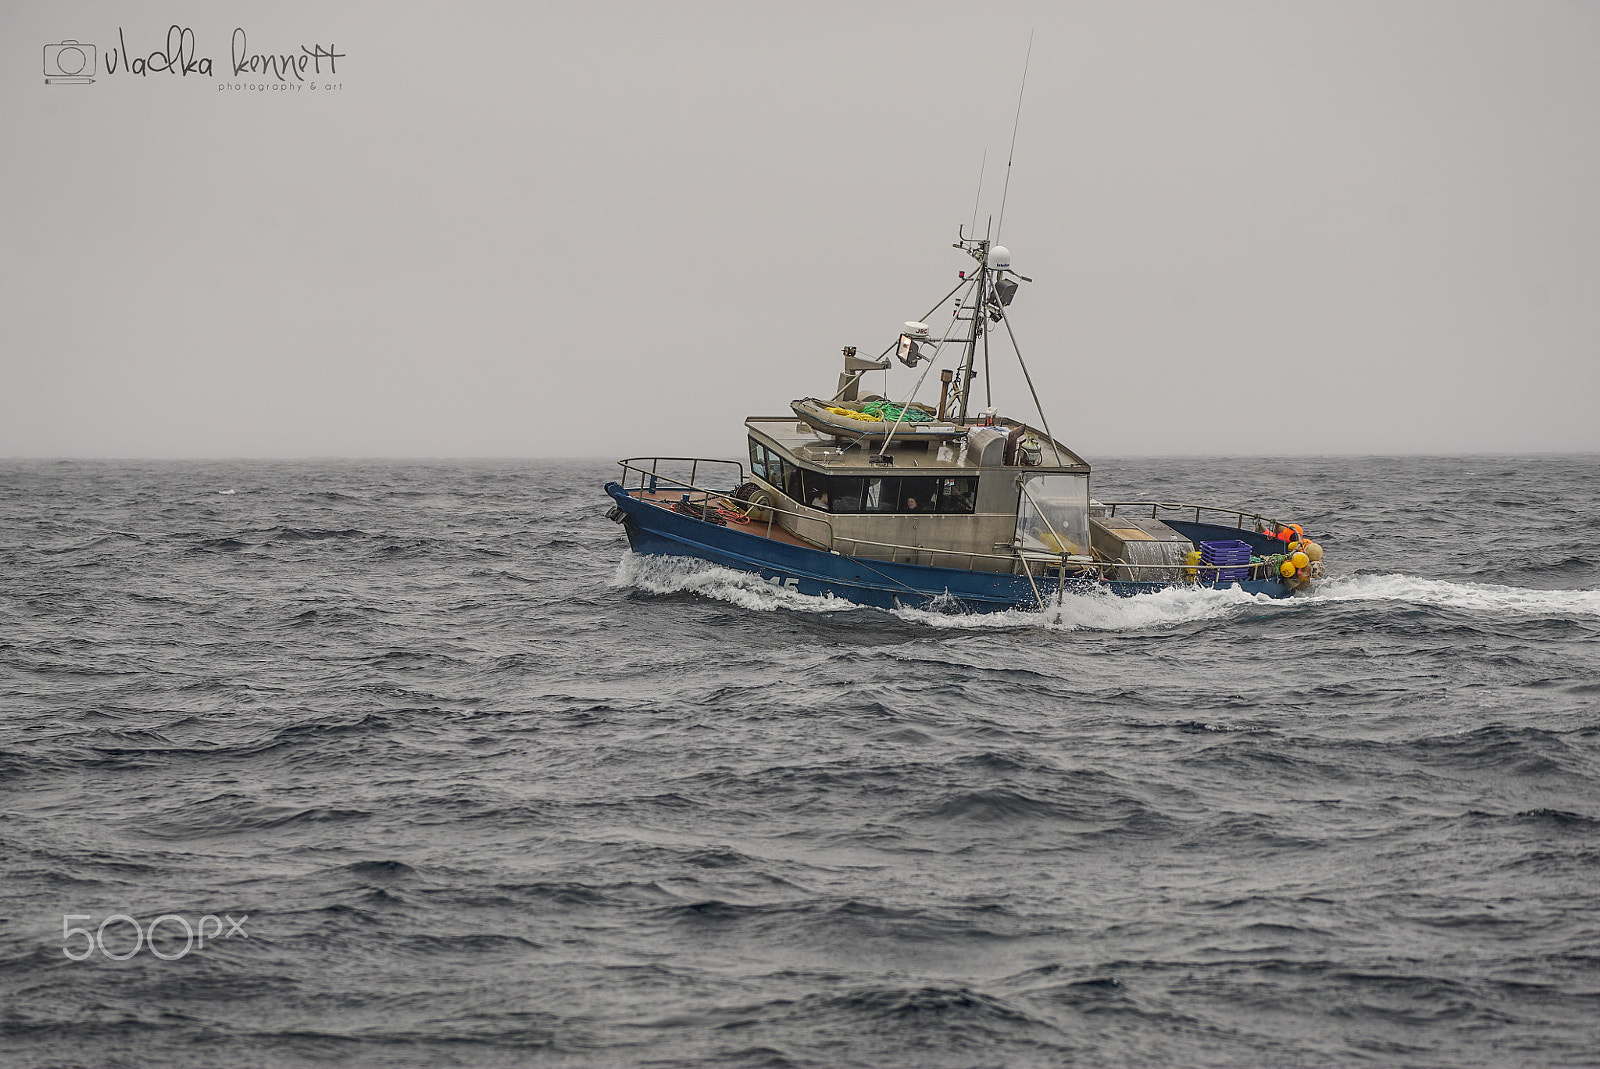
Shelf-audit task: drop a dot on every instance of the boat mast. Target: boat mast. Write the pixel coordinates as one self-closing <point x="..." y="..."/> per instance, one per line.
<point x="978" y="249"/>
<point x="981" y="327"/>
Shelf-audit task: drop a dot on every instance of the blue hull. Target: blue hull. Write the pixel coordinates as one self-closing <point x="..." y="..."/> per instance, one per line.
<point x="657" y="531"/>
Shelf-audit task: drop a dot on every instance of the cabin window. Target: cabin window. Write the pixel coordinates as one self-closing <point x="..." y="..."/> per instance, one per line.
<point x="790" y="478"/>
<point x="900" y="493"/>
<point x="879" y="495"/>
<point x="815" y="485"/>
<point x="917" y="494"/>
<point x="844" y="491"/>
<point x="958" y="495"/>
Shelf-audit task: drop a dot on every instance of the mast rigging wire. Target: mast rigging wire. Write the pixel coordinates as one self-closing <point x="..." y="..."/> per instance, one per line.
<point x="1016" y="123"/>
<point x="1054" y="448"/>
<point x="982" y="167"/>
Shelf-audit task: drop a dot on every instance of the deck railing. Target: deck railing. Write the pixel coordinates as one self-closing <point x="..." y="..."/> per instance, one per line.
<point x="652" y="481"/>
<point x="1239" y="516"/>
<point x="925" y="555"/>
<point x="650" y="478"/>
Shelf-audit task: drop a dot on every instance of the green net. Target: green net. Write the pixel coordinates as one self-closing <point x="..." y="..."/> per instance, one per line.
<point x="893" y="413"/>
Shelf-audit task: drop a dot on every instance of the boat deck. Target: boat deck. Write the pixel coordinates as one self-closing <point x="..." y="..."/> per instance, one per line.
<point x="761" y="528"/>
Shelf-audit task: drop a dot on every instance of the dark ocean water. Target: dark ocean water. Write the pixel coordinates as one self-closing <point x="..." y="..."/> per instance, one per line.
<point x="488" y="791"/>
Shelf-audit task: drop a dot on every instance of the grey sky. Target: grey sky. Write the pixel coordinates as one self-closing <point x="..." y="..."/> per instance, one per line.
<point x="597" y="230"/>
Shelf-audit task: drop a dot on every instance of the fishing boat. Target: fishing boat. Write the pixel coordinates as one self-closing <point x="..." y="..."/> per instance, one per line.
<point x="936" y="504"/>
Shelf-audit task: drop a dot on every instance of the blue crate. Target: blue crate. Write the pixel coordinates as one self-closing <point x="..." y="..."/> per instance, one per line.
<point x="1232" y="553"/>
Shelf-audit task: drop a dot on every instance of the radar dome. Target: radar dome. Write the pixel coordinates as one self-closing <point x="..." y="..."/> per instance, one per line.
<point x="1000" y="258"/>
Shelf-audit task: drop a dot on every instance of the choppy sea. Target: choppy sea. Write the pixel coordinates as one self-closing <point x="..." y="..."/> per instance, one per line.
<point x="444" y="776"/>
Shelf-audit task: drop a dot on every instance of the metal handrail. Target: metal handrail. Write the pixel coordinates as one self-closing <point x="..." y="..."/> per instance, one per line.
<point x="771" y="508"/>
<point x="1239" y="515"/>
<point x="675" y="483"/>
<point x="1198" y="567"/>
<point x="632" y="464"/>
<point x="971" y="555"/>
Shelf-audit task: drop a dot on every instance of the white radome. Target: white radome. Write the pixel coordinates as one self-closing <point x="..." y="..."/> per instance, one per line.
<point x="1000" y="258"/>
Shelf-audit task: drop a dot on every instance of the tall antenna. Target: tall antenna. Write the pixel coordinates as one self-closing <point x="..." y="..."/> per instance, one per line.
<point x="1014" y="126"/>
<point x="982" y="167"/>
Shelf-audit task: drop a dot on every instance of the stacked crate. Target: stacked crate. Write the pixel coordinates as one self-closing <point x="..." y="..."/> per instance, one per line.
<point x="1232" y="557"/>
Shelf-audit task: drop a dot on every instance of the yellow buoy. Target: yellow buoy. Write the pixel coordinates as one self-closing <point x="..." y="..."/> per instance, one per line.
<point x="1300" y="560"/>
<point x="1286" y="569"/>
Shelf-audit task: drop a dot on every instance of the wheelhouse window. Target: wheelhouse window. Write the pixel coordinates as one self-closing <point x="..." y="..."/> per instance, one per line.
<point x="901" y="493"/>
<point x="768" y="465"/>
<point x="815" y="485"/>
<point x="792" y="479"/>
<point x="845" y="493"/>
<point x="880" y="494"/>
<point x="958" y="494"/>
<point x="914" y="494"/>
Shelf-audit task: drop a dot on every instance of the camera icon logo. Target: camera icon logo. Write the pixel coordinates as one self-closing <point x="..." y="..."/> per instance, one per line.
<point x="69" y="63"/>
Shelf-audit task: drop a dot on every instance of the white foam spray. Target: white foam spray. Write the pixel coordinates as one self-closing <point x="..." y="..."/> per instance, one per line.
<point x="678" y="575"/>
<point x="1098" y="611"/>
<point x="1102" y="611"/>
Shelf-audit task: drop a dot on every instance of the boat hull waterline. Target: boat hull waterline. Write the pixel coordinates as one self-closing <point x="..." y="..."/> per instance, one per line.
<point x="654" y="530"/>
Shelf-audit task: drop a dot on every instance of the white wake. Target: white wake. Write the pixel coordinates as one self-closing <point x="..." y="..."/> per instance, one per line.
<point x="1445" y="594"/>
<point x="1098" y="611"/>
<point x="1101" y="610"/>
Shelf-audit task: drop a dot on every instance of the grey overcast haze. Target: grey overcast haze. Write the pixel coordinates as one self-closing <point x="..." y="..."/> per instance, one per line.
<point x="544" y="230"/>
